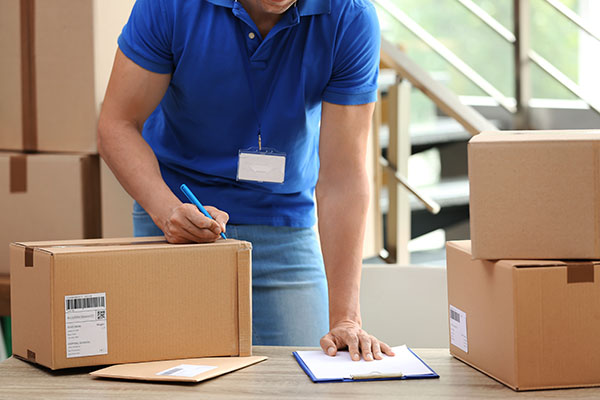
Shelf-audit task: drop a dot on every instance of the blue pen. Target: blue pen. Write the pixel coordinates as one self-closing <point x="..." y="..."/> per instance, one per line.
<point x="188" y="193"/>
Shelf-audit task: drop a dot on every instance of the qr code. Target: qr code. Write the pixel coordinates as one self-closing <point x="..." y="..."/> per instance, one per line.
<point x="101" y="314"/>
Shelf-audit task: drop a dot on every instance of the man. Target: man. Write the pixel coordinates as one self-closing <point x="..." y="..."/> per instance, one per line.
<point x="226" y="96"/>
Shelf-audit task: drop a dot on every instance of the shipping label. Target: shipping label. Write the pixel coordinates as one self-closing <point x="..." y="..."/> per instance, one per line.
<point x="458" y="329"/>
<point x="85" y="320"/>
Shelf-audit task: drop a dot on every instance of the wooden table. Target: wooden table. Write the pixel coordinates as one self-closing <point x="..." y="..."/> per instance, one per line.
<point x="4" y="295"/>
<point x="277" y="378"/>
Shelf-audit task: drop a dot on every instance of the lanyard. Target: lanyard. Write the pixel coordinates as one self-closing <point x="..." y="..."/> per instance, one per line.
<point x="258" y="115"/>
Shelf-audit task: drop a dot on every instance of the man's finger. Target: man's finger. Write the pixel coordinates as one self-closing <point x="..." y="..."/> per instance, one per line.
<point x="328" y="345"/>
<point x="352" y="342"/>
<point x="376" y="348"/>
<point x="365" y="346"/>
<point x="199" y="235"/>
<point x="220" y="216"/>
<point x="195" y="217"/>
<point x="387" y="349"/>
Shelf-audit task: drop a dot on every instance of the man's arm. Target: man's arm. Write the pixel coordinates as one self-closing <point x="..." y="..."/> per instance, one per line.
<point x="342" y="201"/>
<point x="132" y="95"/>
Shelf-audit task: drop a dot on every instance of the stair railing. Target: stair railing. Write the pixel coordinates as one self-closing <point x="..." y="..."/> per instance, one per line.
<point x="411" y="75"/>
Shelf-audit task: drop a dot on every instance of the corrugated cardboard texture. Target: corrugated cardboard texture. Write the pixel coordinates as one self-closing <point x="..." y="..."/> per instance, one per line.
<point x="162" y="301"/>
<point x="482" y="290"/>
<point x="57" y="57"/>
<point x="244" y="283"/>
<point x="557" y="329"/>
<point x="61" y="200"/>
<point x="535" y="195"/>
<point x="528" y="326"/>
<point x="65" y="75"/>
<point x="117" y="205"/>
<point x="10" y="75"/>
<point x="31" y="306"/>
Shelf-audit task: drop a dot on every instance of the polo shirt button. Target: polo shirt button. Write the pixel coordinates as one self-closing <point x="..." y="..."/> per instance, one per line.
<point x="251" y="35"/>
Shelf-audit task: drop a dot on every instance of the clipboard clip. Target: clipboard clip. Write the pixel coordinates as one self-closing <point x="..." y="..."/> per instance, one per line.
<point x="377" y="375"/>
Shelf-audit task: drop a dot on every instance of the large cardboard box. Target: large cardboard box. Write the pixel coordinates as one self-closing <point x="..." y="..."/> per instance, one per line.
<point x="529" y="324"/>
<point x="56" y="60"/>
<point x="47" y="196"/>
<point x="535" y="195"/>
<point x="117" y="205"/>
<point x="111" y="301"/>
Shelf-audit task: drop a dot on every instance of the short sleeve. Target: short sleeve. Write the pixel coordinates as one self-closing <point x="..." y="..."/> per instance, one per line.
<point x="146" y="38"/>
<point x="356" y="61"/>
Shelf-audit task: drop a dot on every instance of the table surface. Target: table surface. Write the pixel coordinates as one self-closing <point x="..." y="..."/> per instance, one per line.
<point x="278" y="377"/>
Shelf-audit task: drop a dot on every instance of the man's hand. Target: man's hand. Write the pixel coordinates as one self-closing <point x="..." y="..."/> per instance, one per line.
<point x="348" y="334"/>
<point x="186" y="224"/>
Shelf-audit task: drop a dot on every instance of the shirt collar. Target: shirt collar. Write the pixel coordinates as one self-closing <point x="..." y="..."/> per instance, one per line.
<point x="305" y="7"/>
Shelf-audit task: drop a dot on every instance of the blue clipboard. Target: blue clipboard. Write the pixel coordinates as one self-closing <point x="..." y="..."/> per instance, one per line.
<point x="308" y="372"/>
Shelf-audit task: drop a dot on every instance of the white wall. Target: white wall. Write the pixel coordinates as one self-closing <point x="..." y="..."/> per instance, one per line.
<point x="405" y="304"/>
<point x="589" y="51"/>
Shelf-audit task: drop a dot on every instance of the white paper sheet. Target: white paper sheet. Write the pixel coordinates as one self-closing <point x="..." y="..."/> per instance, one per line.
<point x="341" y="366"/>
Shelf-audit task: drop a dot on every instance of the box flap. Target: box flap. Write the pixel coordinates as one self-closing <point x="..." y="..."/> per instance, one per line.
<point x="102" y="245"/>
<point x="535" y="136"/>
<point x="550" y="263"/>
<point x="462" y="245"/>
<point x="465" y="247"/>
<point x="92" y="242"/>
<point x="168" y="370"/>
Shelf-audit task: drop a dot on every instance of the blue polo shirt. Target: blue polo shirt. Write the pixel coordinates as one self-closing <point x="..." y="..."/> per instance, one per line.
<point x="320" y="50"/>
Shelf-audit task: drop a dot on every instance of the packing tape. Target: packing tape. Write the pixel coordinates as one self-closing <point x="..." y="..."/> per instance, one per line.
<point x="30" y="250"/>
<point x="28" y="81"/>
<point x="580" y="272"/>
<point x="29" y="256"/>
<point x="18" y="174"/>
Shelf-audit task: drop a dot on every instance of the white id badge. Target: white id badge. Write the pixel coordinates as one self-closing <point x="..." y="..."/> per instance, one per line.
<point x="261" y="166"/>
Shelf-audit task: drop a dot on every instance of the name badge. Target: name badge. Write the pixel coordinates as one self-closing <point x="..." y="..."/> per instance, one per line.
<point x="261" y="166"/>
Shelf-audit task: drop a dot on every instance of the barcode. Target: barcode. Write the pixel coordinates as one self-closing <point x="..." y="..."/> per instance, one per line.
<point x="86" y="302"/>
<point x="455" y="316"/>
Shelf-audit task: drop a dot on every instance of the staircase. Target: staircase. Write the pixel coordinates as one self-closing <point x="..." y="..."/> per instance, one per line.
<point x="409" y="206"/>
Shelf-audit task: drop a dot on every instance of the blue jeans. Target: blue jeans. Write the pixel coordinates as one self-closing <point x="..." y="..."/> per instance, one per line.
<point x="289" y="288"/>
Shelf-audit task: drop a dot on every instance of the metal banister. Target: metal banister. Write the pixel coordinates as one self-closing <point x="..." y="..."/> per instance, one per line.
<point x="446" y="53"/>
<point x="574" y="18"/>
<point x="532" y="55"/>
<point x="564" y="80"/>
<point x="488" y="20"/>
<point x="431" y="205"/>
<point x="444" y="98"/>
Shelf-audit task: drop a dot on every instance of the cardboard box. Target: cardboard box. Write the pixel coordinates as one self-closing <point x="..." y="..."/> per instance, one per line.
<point x="13" y="89"/>
<point x="529" y="324"/>
<point x="112" y="301"/>
<point x="47" y="196"/>
<point x="117" y="205"/>
<point x="56" y="61"/>
<point x="535" y="195"/>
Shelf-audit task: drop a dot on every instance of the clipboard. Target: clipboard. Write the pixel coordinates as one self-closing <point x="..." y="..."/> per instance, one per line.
<point x="321" y="368"/>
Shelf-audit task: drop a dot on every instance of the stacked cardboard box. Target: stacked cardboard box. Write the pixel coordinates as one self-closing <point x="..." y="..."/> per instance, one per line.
<point x="47" y="196"/>
<point x="57" y="58"/>
<point x="523" y="296"/>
